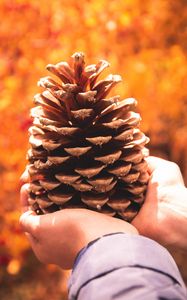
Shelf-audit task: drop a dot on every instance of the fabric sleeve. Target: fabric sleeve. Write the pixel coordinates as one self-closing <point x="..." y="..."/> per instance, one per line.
<point x="123" y="266"/>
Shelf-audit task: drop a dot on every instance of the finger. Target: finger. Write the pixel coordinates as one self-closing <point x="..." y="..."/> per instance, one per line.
<point x="164" y="171"/>
<point x="155" y="162"/>
<point x="30" y="222"/>
<point x="24" y="177"/>
<point x="24" y="197"/>
<point x="32" y="240"/>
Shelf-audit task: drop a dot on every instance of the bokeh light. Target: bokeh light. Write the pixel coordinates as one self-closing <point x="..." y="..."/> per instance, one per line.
<point x="145" y="42"/>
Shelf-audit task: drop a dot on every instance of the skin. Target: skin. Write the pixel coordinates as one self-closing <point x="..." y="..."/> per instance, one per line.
<point x="163" y="216"/>
<point x="58" y="237"/>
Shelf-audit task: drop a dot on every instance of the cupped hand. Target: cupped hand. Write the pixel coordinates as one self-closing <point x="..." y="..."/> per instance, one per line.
<point x="163" y="216"/>
<point x="58" y="237"/>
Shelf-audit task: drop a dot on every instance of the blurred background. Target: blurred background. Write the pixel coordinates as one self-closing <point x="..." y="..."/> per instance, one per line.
<point x="145" y="42"/>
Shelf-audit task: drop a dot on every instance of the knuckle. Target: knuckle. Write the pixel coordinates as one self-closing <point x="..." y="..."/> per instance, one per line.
<point x="41" y="255"/>
<point x="174" y="173"/>
<point x="21" y="223"/>
<point x="36" y="230"/>
<point x="174" y="167"/>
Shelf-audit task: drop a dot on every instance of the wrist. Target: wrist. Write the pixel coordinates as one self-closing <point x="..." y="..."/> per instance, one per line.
<point x="100" y="225"/>
<point x="108" y="226"/>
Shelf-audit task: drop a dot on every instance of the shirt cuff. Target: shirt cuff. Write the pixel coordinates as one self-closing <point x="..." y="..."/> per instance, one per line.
<point x="119" y="250"/>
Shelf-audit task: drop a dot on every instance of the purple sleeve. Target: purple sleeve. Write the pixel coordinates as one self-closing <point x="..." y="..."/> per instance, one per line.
<point x="123" y="266"/>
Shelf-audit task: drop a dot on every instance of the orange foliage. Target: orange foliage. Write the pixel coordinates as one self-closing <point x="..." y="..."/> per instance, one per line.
<point x="145" y="42"/>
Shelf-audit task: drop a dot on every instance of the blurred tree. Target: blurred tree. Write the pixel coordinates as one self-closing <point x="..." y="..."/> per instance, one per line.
<point x="145" y="41"/>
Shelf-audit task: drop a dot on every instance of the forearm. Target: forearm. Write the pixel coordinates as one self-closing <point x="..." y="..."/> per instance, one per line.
<point x="123" y="266"/>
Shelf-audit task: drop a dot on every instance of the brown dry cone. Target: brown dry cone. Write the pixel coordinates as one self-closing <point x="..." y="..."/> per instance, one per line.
<point x="86" y="151"/>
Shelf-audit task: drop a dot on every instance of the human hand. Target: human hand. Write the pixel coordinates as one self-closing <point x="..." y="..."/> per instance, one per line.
<point x="58" y="237"/>
<point x="163" y="216"/>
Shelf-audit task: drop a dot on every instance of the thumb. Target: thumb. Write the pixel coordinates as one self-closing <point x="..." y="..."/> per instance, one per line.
<point x="30" y="222"/>
<point x="24" y="177"/>
<point x="24" y="194"/>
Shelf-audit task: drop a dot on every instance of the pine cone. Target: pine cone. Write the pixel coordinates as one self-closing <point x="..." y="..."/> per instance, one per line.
<point x="86" y="151"/>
